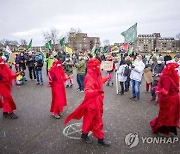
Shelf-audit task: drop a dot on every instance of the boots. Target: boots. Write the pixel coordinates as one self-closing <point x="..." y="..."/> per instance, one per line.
<point x="104" y="143"/>
<point x="10" y="115"/>
<point x="86" y="139"/>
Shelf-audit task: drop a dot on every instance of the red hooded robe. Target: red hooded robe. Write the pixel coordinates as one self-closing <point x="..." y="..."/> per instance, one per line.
<point x="91" y="109"/>
<point x="6" y="79"/>
<point x="169" y="101"/>
<point x="57" y="79"/>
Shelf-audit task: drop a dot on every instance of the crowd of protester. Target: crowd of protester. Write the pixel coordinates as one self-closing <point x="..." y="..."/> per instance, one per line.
<point x="130" y="71"/>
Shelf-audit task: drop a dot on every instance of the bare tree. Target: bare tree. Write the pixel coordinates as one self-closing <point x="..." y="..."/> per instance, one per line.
<point x="178" y="36"/>
<point x="15" y="43"/>
<point x="106" y="42"/>
<point x="1" y="45"/>
<point x="23" y="43"/>
<point x="74" y="30"/>
<point x="5" y="42"/>
<point x="52" y="35"/>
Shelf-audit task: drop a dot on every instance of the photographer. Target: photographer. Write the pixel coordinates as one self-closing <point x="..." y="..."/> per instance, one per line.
<point x="30" y="64"/>
<point x="157" y="69"/>
<point x="38" y="68"/>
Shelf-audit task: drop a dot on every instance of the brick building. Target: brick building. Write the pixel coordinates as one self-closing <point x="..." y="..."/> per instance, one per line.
<point x="164" y="44"/>
<point x="154" y="42"/>
<point x="81" y="42"/>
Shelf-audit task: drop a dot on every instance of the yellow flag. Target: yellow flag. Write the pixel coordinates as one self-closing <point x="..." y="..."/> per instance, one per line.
<point x="69" y="51"/>
<point x="114" y="48"/>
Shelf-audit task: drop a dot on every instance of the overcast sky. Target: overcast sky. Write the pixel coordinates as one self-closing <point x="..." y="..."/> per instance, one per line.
<point x="26" y="19"/>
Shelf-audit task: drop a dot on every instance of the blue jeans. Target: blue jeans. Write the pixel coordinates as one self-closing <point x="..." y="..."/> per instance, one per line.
<point x="39" y="76"/>
<point x="80" y="81"/>
<point x="136" y="88"/>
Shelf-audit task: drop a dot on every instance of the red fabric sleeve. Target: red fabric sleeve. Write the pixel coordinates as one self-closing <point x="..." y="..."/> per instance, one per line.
<point x="166" y="86"/>
<point x="104" y="79"/>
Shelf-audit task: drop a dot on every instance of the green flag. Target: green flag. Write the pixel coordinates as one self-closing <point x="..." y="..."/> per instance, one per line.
<point x="93" y="50"/>
<point x="30" y="44"/>
<point x="130" y="35"/>
<point x="48" y="45"/>
<point x="105" y="50"/>
<point x="130" y="51"/>
<point x="97" y="51"/>
<point x="62" y="42"/>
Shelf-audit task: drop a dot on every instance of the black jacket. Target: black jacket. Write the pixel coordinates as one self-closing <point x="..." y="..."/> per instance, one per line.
<point x="38" y="65"/>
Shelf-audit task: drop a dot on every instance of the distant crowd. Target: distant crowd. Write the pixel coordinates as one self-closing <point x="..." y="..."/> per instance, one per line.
<point x="128" y="68"/>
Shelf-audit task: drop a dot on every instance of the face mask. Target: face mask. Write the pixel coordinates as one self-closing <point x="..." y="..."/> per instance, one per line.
<point x="159" y="62"/>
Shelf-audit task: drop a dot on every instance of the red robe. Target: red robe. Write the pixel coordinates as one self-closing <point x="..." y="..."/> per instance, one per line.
<point x="169" y="103"/>
<point x="6" y="79"/>
<point x="91" y="109"/>
<point x="57" y="79"/>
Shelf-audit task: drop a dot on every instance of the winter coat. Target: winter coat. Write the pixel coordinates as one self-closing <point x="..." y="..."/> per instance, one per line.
<point x="137" y="71"/>
<point x="120" y="73"/>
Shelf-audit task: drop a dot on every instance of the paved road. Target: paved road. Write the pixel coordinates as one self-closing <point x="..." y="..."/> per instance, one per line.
<point x="36" y="131"/>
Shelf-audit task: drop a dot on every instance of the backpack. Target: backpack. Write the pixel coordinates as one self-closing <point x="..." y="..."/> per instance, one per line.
<point x="127" y="71"/>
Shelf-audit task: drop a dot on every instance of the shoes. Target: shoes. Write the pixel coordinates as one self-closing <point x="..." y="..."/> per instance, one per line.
<point x="86" y="139"/>
<point x="82" y="91"/>
<point x="41" y="83"/>
<point x="78" y="89"/>
<point x="136" y="99"/>
<point x="37" y="83"/>
<point x="10" y="115"/>
<point x="67" y="86"/>
<point x="132" y="97"/>
<point x="71" y="86"/>
<point x="57" y="116"/>
<point x="104" y="143"/>
<point x="60" y="114"/>
<point x="120" y="93"/>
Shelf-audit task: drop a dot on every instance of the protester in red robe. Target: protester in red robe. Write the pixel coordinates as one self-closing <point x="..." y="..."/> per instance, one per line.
<point x="6" y="100"/>
<point x="91" y="109"/>
<point x="169" y="102"/>
<point x="57" y="80"/>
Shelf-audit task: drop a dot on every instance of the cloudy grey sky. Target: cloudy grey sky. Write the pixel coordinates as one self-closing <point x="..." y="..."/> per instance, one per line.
<point x="26" y="19"/>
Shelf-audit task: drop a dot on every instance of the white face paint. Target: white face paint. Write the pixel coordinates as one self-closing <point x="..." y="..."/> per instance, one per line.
<point x="58" y="65"/>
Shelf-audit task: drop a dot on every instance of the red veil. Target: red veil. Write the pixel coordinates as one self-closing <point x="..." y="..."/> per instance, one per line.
<point x="168" y="99"/>
<point x="57" y="79"/>
<point x="6" y="79"/>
